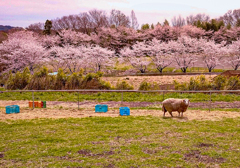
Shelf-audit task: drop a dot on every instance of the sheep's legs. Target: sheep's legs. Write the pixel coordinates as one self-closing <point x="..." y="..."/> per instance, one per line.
<point x="182" y="114"/>
<point x="170" y="113"/>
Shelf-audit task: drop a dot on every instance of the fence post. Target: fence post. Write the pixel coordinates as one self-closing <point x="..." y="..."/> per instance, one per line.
<point x="33" y="99"/>
<point x="210" y="101"/>
<point x="122" y="98"/>
<point x="78" y="100"/>
<point x="163" y="95"/>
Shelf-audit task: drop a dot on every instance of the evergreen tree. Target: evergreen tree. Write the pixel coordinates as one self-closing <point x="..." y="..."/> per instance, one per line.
<point x="47" y="27"/>
<point x="229" y="26"/>
<point x="145" y="26"/>
<point x="165" y="23"/>
<point x="152" y="26"/>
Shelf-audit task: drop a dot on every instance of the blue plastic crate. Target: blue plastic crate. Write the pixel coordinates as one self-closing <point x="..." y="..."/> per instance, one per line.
<point x="101" y="108"/>
<point x="124" y="111"/>
<point x="12" y="109"/>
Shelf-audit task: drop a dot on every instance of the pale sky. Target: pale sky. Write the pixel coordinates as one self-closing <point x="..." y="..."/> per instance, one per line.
<point x="22" y="13"/>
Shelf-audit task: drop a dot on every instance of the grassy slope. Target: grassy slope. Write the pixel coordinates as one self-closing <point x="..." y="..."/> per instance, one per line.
<point x="120" y="142"/>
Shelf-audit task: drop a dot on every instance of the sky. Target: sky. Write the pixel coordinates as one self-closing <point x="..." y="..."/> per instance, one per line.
<point x="22" y="13"/>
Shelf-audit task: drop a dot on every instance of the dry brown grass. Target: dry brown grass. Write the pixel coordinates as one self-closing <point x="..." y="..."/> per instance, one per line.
<point x="69" y="109"/>
<point x="135" y="81"/>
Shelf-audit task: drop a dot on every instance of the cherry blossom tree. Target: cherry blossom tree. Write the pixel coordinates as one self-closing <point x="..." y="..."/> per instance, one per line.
<point x="212" y="53"/>
<point x="107" y="38"/>
<point x="136" y="56"/>
<point x="74" y="38"/>
<point x="53" y="58"/>
<point x="115" y="38"/>
<point x="68" y="56"/>
<point x="192" y="31"/>
<point x="184" y="51"/>
<point x="98" y="57"/>
<point x="234" y="54"/>
<point x="22" y="49"/>
<point x="163" y="33"/>
<point x="49" y="41"/>
<point x="160" y="54"/>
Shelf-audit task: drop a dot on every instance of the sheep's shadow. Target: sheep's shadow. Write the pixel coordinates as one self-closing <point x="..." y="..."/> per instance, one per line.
<point x="177" y="117"/>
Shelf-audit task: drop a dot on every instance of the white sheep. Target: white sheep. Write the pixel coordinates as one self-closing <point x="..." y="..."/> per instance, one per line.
<point x="179" y="105"/>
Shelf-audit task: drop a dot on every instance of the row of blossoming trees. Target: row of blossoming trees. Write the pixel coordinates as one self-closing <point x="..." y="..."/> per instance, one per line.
<point x="71" y="50"/>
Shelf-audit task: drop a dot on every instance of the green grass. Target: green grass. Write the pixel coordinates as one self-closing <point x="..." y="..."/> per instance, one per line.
<point x="119" y="142"/>
<point x="113" y="96"/>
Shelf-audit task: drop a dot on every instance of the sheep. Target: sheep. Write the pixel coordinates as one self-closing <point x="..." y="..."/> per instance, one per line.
<point x="179" y="105"/>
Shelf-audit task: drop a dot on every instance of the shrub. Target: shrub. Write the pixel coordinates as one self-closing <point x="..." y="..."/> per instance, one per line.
<point x="233" y="83"/>
<point x="124" y="85"/>
<point x="179" y="86"/>
<point x="148" y="86"/>
<point x="199" y="83"/>
<point x="145" y="86"/>
<point x="18" y="80"/>
<point x="41" y="80"/>
<point x="93" y="81"/>
<point x="61" y="80"/>
<point x="219" y="82"/>
<point x="74" y="81"/>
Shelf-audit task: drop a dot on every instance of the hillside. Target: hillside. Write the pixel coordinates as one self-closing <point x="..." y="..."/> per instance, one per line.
<point x="4" y="28"/>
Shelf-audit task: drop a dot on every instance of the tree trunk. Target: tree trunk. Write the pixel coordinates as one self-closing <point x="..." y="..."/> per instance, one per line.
<point x="160" y="69"/>
<point x="184" y="70"/>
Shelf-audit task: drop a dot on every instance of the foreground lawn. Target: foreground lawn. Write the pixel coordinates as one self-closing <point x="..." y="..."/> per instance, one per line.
<point x="119" y="142"/>
<point x="113" y="96"/>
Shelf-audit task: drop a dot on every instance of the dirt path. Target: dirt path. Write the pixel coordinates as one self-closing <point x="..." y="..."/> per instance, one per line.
<point x="70" y="109"/>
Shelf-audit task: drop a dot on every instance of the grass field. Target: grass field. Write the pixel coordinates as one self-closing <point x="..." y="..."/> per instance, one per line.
<point x="113" y="96"/>
<point x="130" y="141"/>
<point x="119" y="142"/>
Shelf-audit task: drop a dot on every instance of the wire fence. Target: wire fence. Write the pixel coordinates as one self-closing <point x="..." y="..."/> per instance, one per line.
<point x="162" y="92"/>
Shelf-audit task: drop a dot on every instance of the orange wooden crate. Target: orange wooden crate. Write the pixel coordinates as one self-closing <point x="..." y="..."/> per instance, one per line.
<point x="35" y="104"/>
<point x="30" y="104"/>
<point x="39" y="105"/>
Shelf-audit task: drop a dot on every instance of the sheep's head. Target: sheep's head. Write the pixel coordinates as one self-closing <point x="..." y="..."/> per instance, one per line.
<point x="186" y="101"/>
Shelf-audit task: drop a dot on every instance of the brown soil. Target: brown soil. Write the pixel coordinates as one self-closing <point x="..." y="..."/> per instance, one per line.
<point x="135" y="81"/>
<point x="196" y="156"/>
<point x="70" y="109"/>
